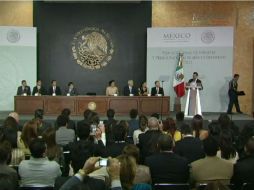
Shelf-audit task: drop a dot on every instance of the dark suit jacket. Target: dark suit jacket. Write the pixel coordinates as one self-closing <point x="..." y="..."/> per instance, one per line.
<point x="82" y="150"/>
<point x="168" y="167"/>
<point x="190" y="148"/>
<point x="198" y="82"/>
<point x="244" y="171"/>
<point x="58" y="91"/>
<point x="126" y="91"/>
<point x="154" y="92"/>
<point x="74" y="92"/>
<point x="26" y="90"/>
<point x="115" y="149"/>
<point x="148" y="143"/>
<point x="133" y="125"/>
<point x="42" y="91"/>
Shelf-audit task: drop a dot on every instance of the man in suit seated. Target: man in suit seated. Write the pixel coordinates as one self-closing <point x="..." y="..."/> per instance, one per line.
<point x="71" y="90"/>
<point x="130" y="89"/>
<point x="189" y="147"/>
<point x="39" y="90"/>
<point x="244" y="168"/>
<point x="148" y="140"/>
<point x="211" y="167"/>
<point x="54" y="90"/>
<point x="166" y="166"/>
<point x="157" y="90"/>
<point x="23" y="90"/>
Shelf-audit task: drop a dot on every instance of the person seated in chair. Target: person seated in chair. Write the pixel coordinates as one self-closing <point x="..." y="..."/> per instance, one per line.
<point x="54" y="90"/>
<point x="38" y="171"/>
<point x="157" y="90"/>
<point x="23" y="90"/>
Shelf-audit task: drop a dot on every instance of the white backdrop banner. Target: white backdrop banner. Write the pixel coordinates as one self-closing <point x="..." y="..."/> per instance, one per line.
<point x="207" y="50"/>
<point x="17" y="60"/>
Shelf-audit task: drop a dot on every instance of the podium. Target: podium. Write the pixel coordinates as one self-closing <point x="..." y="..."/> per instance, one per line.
<point x="193" y="105"/>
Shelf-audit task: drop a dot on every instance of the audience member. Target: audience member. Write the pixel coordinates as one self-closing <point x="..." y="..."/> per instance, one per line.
<point x="244" y="168"/>
<point x="142" y="174"/>
<point x="10" y="134"/>
<point x="119" y="136"/>
<point x="166" y="166"/>
<point x="110" y="123"/>
<point x="82" y="177"/>
<point x="64" y="135"/>
<point x="42" y="125"/>
<point x="189" y="147"/>
<point x="244" y="136"/>
<point x="169" y="127"/>
<point x="148" y="140"/>
<point x="211" y="167"/>
<point x="15" y="115"/>
<point x="29" y="133"/>
<point x="133" y="122"/>
<point x="38" y="171"/>
<point x="179" y="120"/>
<point x="53" y="152"/>
<point x="197" y="126"/>
<point x="85" y="147"/>
<point x="71" y="124"/>
<point x="6" y="182"/>
<point x="5" y="157"/>
<point x="214" y="129"/>
<point x="227" y="150"/>
<point x="86" y="115"/>
<point x="143" y="127"/>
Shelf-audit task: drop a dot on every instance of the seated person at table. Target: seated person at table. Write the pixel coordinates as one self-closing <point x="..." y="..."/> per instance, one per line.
<point x="130" y="89"/>
<point x="39" y="90"/>
<point x="157" y="89"/>
<point x="71" y="90"/>
<point x="54" y="90"/>
<point x="143" y="90"/>
<point x="111" y="89"/>
<point x="23" y="90"/>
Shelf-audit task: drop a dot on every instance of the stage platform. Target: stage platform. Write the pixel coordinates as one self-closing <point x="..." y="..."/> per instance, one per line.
<point x="239" y="119"/>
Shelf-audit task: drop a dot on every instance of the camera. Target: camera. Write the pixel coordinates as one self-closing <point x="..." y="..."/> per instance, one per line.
<point x="93" y="128"/>
<point x="103" y="162"/>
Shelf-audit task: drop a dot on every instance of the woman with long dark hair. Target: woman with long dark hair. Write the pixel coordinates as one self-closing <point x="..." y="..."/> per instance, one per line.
<point x="227" y="150"/>
<point x="197" y="126"/>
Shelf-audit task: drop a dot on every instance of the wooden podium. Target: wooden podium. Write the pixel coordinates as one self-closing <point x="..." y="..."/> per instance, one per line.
<point x="193" y="105"/>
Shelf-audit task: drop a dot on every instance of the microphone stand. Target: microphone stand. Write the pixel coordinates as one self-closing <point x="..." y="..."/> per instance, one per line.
<point x="161" y="100"/>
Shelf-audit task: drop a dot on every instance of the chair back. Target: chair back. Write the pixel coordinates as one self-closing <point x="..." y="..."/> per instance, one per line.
<point x="171" y="186"/>
<point x="36" y="188"/>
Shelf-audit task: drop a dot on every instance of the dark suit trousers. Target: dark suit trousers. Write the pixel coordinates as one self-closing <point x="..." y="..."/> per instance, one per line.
<point x="233" y="99"/>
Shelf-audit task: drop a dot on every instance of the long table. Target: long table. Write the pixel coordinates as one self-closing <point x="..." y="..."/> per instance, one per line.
<point x="53" y="105"/>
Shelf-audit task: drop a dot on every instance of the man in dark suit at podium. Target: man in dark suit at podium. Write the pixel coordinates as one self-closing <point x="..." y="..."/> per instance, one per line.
<point x="39" y="89"/>
<point x="54" y="90"/>
<point x="196" y="80"/>
<point x="23" y="90"/>
<point x="130" y="89"/>
<point x="157" y="89"/>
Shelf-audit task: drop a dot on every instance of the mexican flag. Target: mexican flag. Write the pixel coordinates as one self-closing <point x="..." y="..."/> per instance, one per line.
<point x="178" y="84"/>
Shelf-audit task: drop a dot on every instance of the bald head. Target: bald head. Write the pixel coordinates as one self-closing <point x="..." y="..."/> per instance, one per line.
<point x="14" y="115"/>
<point x="153" y="123"/>
<point x="130" y="82"/>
